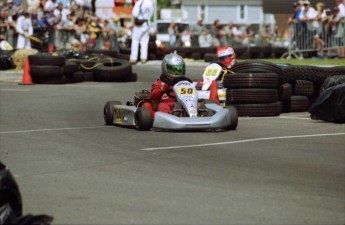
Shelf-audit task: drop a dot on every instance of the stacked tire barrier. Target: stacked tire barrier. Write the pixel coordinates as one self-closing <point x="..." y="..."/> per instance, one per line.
<point x="259" y="88"/>
<point x="57" y="69"/>
<point x="254" y="88"/>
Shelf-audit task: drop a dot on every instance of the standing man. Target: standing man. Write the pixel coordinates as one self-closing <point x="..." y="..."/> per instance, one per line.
<point x="142" y="12"/>
<point x="25" y="30"/>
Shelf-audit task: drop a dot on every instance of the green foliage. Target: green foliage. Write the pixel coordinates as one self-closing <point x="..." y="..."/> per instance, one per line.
<point x="162" y="4"/>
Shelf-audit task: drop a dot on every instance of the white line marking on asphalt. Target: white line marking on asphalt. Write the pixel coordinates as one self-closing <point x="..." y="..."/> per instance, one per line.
<point x="297" y="117"/>
<point x="242" y="141"/>
<point x="52" y="129"/>
<point x="19" y="90"/>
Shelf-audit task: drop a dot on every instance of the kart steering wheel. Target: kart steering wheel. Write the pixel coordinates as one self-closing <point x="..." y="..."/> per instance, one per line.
<point x="174" y="81"/>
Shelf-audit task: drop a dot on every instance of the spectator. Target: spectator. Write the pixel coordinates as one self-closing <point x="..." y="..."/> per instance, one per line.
<point x="142" y="12"/>
<point x="297" y="28"/>
<point x="32" y="5"/>
<point x="318" y="38"/>
<point x="114" y="33"/>
<point x="50" y="5"/>
<point x="238" y="35"/>
<point x="25" y="30"/>
<point x="229" y="34"/>
<point x="248" y="36"/>
<point x="214" y="32"/>
<point x="341" y="6"/>
<point x="172" y="34"/>
<point x="205" y="39"/>
<point x="80" y="29"/>
<point x="7" y="26"/>
<point x="308" y="16"/>
<point x="196" y="30"/>
<point x="338" y="32"/>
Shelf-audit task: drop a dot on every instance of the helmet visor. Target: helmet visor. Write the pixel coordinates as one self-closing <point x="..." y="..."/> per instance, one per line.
<point x="176" y="69"/>
<point x="226" y="57"/>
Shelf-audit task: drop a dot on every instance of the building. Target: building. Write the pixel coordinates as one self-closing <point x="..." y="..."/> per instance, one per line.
<point x="238" y="12"/>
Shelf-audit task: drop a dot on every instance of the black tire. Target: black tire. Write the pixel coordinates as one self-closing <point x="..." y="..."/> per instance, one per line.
<point x="123" y="56"/>
<point x="109" y="113"/>
<point x="118" y="70"/>
<point x="143" y="119"/>
<point x="285" y="91"/>
<point x="251" y="95"/>
<point x="88" y="76"/>
<point x="45" y="71"/>
<point x="257" y="66"/>
<point x="233" y="118"/>
<point x="296" y="104"/>
<point x="251" y="80"/>
<point x="50" y="80"/>
<point x="258" y="110"/>
<point x="46" y="59"/>
<point x="70" y="68"/>
<point x="303" y="87"/>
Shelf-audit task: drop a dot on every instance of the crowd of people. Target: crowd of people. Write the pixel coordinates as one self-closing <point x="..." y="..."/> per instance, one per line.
<point x="60" y="23"/>
<point x="73" y="24"/>
<point x="319" y="28"/>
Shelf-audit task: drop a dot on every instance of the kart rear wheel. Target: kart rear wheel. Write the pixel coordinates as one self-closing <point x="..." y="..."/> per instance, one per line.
<point x="143" y="118"/>
<point x="108" y="112"/>
<point x="233" y="118"/>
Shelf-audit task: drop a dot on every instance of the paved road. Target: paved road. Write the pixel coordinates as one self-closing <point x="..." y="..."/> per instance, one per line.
<point x="68" y="164"/>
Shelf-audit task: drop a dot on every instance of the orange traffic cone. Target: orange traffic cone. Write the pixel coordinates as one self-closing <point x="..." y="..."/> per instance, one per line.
<point x="26" y="73"/>
<point x="214" y="92"/>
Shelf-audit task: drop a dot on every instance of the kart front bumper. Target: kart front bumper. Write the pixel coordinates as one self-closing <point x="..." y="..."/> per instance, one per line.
<point x="166" y="121"/>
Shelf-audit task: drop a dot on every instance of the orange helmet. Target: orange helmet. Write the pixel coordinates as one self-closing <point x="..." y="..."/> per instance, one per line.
<point x="226" y="55"/>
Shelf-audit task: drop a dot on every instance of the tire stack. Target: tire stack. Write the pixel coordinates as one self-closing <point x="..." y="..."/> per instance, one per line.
<point x="47" y="69"/>
<point x="305" y="84"/>
<point x="254" y="88"/>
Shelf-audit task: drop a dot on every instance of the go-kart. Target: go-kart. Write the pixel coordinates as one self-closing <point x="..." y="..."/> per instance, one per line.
<point x="188" y="114"/>
<point x="213" y="72"/>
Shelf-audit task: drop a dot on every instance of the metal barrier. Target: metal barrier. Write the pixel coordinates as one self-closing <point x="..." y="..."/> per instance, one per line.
<point x="327" y="39"/>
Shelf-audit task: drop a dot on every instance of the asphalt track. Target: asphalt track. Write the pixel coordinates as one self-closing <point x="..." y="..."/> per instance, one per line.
<point x="68" y="164"/>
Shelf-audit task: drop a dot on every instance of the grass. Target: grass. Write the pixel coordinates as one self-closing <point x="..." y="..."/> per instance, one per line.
<point x="311" y="62"/>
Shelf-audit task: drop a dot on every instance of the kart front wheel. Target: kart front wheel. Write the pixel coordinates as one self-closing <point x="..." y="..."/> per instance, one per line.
<point x="108" y="112"/>
<point x="233" y="118"/>
<point x="143" y="118"/>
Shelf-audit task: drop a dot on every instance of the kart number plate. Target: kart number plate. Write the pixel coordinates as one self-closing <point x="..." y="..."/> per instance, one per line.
<point x="118" y="116"/>
<point x="211" y="72"/>
<point x="186" y="91"/>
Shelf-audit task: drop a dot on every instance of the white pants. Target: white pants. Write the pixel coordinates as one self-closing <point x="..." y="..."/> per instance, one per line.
<point x="23" y="42"/>
<point x="140" y="35"/>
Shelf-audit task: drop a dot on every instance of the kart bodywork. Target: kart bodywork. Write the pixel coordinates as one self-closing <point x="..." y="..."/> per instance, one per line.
<point x="188" y="114"/>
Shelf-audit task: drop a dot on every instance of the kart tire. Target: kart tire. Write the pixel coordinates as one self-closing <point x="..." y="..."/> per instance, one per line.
<point x="143" y="119"/>
<point x="233" y="118"/>
<point x="109" y="113"/>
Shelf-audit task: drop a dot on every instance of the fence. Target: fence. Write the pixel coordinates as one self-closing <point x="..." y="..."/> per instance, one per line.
<point x="327" y="39"/>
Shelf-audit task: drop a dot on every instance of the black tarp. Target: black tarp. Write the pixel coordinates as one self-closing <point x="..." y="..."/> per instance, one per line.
<point x="330" y="105"/>
<point x="11" y="207"/>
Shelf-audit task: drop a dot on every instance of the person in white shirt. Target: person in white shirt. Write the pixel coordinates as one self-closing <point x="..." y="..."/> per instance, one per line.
<point x="25" y="30"/>
<point x="309" y="15"/>
<point x="341" y="6"/>
<point x="142" y="12"/>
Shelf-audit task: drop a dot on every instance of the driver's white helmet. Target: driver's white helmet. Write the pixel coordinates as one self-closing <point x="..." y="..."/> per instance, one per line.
<point x="173" y="65"/>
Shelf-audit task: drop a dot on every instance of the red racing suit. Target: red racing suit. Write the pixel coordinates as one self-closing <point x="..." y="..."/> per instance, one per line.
<point x="165" y="103"/>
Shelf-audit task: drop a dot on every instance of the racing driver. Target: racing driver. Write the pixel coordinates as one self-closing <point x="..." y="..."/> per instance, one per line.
<point x="226" y="56"/>
<point x="173" y="66"/>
